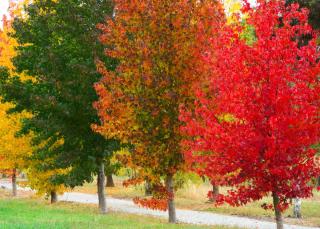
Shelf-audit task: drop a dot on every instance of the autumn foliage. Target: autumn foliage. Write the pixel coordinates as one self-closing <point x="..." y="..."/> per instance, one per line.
<point x="270" y="92"/>
<point x="16" y="150"/>
<point x="221" y="88"/>
<point x="13" y="150"/>
<point x="154" y="43"/>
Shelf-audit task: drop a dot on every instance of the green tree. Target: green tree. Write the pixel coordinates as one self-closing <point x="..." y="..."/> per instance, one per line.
<point x="57" y="45"/>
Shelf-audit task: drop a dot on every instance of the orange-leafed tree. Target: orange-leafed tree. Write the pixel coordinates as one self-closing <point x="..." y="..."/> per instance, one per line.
<point x="156" y="44"/>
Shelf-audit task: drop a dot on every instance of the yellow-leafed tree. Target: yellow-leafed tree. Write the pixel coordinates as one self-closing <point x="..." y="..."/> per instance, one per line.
<point x="13" y="150"/>
<point x="41" y="180"/>
<point x="16" y="151"/>
<point x="232" y="8"/>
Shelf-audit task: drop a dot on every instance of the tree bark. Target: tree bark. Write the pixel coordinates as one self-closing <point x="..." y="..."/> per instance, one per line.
<point x="54" y="197"/>
<point x="215" y="193"/>
<point x="147" y="188"/>
<point x="297" y="208"/>
<point x="277" y="211"/>
<point x="171" y="204"/>
<point x="14" y="182"/>
<point x="110" y="182"/>
<point x="100" y="186"/>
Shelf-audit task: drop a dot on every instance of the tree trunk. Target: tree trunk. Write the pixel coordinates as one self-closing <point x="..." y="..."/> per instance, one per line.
<point x="147" y="188"/>
<point x="110" y="182"/>
<point x="277" y="211"/>
<point x="297" y="208"/>
<point x="100" y="186"/>
<point x="14" y="182"/>
<point x="171" y="205"/>
<point x="318" y="182"/>
<point x="54" y="197"/>
<point x="215" y="193"/>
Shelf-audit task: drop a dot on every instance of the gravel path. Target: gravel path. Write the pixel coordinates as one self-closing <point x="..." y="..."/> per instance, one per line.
<point x="184" y="216"/>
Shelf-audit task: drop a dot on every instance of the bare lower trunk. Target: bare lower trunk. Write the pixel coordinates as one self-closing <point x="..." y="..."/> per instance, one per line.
<point x="277" y="211"/>
<point x="14" y="182"/>
<point x="110" y="182"/>
<point x="215" y="193"/>
<point x="147" y="188"/>
<point x="297" y="207"/>
<point x="54" y="197"/>
<point x="100" y="186"/>
<point x="171" y="205"/>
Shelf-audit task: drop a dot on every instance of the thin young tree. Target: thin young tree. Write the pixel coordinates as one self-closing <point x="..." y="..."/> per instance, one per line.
<point x="57" y="46"/>
<point x="154" y="43"/>
<point x="270" y="88"/>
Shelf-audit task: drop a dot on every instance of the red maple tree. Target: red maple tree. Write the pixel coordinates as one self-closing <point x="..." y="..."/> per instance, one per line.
<point x="269" y="91"/>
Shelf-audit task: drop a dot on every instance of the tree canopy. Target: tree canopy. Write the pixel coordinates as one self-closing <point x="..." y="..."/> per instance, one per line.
<point x="58" y="46"/>
<point x="270" y="91"/>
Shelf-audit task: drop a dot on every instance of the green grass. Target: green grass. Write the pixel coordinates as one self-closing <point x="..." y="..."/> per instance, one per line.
<point x="36" y="214"/>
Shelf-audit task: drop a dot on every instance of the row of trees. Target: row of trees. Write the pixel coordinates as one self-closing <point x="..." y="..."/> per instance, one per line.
<point x="233" y="97"/>
<point x="15" y="149"/>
